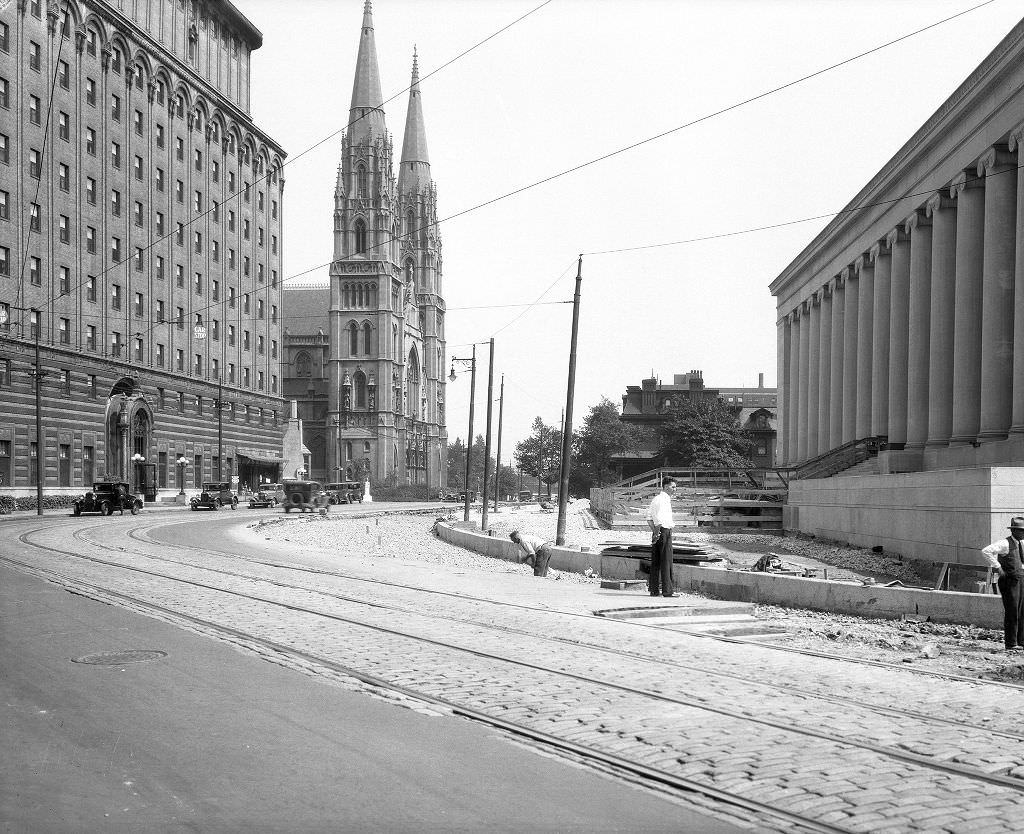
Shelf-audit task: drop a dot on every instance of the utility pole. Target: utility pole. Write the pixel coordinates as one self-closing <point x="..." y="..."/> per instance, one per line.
<point x="497" y="457"/>
<point x="563" y="487"/>
<point x="220" y="427"/>
<point x="487" y="444"/>
<point x="40" y="440"/>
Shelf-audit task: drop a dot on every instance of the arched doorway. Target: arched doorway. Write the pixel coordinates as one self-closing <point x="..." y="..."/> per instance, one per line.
<point x="129" y="435"/>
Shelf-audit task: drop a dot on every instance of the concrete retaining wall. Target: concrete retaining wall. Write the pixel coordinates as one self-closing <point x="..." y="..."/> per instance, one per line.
<point x="790" y="591"/>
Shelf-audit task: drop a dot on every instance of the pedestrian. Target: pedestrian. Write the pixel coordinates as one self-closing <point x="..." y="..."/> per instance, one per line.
<point x="1007" y="557"/>
<point x="536" y="551"/>
<point x="659" y="517"/>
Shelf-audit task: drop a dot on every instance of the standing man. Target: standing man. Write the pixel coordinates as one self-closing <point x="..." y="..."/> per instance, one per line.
<point x="659" y="517"/>
<point x="536" y="551"/>
<point x="1007" y="557"/>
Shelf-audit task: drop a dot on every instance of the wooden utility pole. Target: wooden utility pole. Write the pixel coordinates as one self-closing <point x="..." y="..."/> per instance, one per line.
<point x="563" y="487"/>
<point x="487" y="444"/>
<point x="497" y="457"/>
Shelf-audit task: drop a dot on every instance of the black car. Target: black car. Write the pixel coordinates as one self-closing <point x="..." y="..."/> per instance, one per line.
<point x="303" y="496"/>
<point x="215" y="495"/>
<point x="107" y="496"/>
<point x="262" y="498"/>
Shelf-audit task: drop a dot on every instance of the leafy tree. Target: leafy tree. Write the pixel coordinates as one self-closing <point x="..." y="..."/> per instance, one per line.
<point x="540" y="454"/>
<point x="704" y="433"/>
<point x="603" y="434"/>
<point x="456" y="463"/>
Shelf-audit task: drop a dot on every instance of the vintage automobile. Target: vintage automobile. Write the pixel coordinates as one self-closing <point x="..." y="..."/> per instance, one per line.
<point x="345" y="492"/>
<point x="266" y="496"/>
<point x="303" y="496"/>
<point x="215" y="495"/>
<point x="447" y="495"/>
<point x="107" y="496"/>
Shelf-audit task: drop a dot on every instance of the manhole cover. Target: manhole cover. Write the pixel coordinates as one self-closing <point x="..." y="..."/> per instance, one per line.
<point x="119" y="658"/>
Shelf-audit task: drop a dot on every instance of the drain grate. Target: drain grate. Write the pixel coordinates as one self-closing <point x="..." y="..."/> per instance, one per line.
<point x="119" y="658"/>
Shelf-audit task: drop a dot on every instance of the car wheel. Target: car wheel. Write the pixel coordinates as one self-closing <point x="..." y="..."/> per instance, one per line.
<point x="106" y="509"/>
<point x="135" y="508"/>
<point x="77" y="510"/>
<point x="287" y="508"/>
<point x="234" y="503"/>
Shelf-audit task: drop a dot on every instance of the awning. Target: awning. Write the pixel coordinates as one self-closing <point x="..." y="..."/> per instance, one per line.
<point x="265" y="459"/>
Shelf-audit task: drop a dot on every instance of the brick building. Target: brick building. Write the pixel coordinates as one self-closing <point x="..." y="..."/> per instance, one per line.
<point x="140" y="242"/>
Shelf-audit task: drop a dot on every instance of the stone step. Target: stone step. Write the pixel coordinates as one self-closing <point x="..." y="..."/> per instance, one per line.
<point x="693" y="613"/>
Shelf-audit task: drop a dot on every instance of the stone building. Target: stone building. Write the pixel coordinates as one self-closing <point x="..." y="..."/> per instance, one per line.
<point x="140" y="243"/>
<point x="377" y="408"/>
<point x="903" y="320"/>
<point x="648" y="404"/>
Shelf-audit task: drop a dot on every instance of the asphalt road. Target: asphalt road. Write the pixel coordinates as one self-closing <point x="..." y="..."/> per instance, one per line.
<point x="207" y="738"/>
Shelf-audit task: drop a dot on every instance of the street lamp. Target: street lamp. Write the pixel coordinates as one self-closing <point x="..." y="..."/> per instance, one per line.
<point x="37" y="375"/>
<point x="138" y="460"/>
<point x="182" y="463"/>
<point x="471" y="363"/>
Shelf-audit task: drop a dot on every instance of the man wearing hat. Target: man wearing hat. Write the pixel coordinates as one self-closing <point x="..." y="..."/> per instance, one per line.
<point x="536" y="551"/>
<point x="1006" y="556"/>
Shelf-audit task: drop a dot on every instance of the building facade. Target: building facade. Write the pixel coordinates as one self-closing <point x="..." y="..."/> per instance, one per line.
<point x="140" y="244"/>
<point x="904" y="320"/>
<point x="384" y="412"/>
<point x="649" y="404"/>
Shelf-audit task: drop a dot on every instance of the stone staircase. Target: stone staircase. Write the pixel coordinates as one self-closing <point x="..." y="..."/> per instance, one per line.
<point x="865" y="467"/>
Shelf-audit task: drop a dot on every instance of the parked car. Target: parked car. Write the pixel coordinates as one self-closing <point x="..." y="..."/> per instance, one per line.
<point x="447" y="495"/>
<point x="472" y="496"/>
<point x="303" y="496"/>
<point x="215" y="495"/>
<point x="107" y="496"/>
<point x="263" y="497"/>
<point x="345" y="492"/>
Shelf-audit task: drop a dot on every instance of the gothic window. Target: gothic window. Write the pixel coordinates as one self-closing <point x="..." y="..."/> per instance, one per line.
<point x="353" y="339"/>
<point x="346" y="296"/>
<point x="394" y="340"/>
<point x="359" y="382"/>
<point x="359" y="296"/>
<point x="303" y="364"/>
<point x="361" y="190"/>
<point x="412" y="376"/>
<point x="367" y="337"/>
<point x="410" y="223"/>
<point x="360" y="230"/>
<point x="409" y="272"/>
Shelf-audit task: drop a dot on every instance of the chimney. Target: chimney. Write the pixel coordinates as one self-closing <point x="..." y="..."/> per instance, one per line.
<point x="760" y="380"/>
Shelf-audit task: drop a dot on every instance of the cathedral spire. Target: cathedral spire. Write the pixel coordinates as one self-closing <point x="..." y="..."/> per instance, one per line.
<point x="414" y="170"/>
<point x="366" y="116"/>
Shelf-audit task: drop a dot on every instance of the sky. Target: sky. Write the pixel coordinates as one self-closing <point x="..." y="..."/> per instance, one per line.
<point x="574" y="81"/>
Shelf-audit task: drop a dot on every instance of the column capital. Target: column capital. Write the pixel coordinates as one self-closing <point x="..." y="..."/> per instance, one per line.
<point x="995" y="157"/>
<point x="918" y="218"/>
<point x="897" y="235"/>
<point x="848" y="273"/>
<point x="1016" y="138"/>
<point x="963" y="181"/>
<point x="863" y="262"/>
<point x="938" y="202"/>
<point x="879" y="250"/>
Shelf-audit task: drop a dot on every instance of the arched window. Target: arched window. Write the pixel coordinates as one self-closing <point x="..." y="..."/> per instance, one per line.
<point x="360" y="230"/>
<point x="359" y="295"/>
<point x="353" y="339"/>
<point x="348" y="450"/>
<point x="410" y="223"/>
<point x="412" y="377"/>
<point x="367" y="338"/>
<point x="304" y="364"/>
<point x="409" y="271"/>
<point x="394" y="340"/>
<point x="361" y="181"/>
<point x="359" y="382"/>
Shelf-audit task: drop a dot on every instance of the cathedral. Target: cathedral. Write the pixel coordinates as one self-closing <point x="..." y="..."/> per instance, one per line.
<point x="368" y="376"/>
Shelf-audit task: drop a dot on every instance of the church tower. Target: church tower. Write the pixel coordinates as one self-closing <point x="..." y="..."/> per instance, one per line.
<point x="387" y="357"/>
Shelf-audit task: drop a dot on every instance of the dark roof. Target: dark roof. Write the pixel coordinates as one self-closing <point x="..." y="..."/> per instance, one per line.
<point x="305" y="310"/>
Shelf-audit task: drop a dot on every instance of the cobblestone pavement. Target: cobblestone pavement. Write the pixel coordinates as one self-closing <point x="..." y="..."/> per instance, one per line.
<point x="706" y="714"/>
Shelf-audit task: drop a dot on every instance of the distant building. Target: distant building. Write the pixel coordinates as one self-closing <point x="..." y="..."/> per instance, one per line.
<point x="648" y="405"/>
<point x="140" y="242"/>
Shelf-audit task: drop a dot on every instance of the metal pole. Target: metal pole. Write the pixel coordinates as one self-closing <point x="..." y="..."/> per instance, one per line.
<point x="40" y="440"/>
<point x="469" y="443"/>
<point x="220" y="427"/>
<point x="563" y="488"/>
<point x="497" y="457"/>
<point x="487" y="444"/>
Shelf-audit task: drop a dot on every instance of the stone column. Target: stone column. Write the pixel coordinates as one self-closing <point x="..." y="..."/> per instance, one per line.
<point x="803" y="378"/>
<point x="850" y="342"/>
<point x="813" y="372"/>
<point x="792" y="424"/>
<point x="942" y="211"/>
<point x="1017" y="424"/>
<point x="919" y="227"/>
<point x="899" y="343"/>
<point x="838" y="343"/>
<point x="784" y="346"/>
<point x="865" y="269"/>
<point x="997" y="166"/>
<point x="882" y="258"/>
<point x="824" y="367"/>
<point x="970" y="230"/>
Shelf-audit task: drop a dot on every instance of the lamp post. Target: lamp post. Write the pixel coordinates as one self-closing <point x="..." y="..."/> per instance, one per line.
<point x="37" y="376"/>
<point x="182" y="462"/>
<point x="471" y="363"/>
<point x="138" y="460"/>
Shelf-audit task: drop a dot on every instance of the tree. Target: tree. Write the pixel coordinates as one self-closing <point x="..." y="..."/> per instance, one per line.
<point x="456" y="464"/>
<point x="540" y="454"/>
<point x="603" y="435"/>
<point x="704" y="433"/>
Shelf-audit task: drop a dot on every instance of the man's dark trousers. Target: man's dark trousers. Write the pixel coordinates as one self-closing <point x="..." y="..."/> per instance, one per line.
<point x="1011" y="589"/>
<point x="661" y="564"/>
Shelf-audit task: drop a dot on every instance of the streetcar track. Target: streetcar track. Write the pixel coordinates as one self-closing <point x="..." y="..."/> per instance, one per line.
<point x="889" y="752"/>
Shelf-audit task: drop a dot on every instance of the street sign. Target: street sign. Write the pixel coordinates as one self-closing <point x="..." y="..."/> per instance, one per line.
<point x="3" y="311"/>
<point x="199" y="331"/>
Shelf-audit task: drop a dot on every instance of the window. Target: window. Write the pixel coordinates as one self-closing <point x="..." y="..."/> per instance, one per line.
<point x="273" y="348"/>
<point x="231" y="181"/>
<point x="179" y="363"/>
<point x="90" y="190"/>
<point x="231" y="297"/>
<point x="245" y="229"/>
<point x="90" y="337"/>
<point x="139" y="213"/>
<point x="231" y="335"/>
<point x="245" y="303"/>
<point x="259" y="200"/>
<point x="179" y="191"/>
<point x="231" y="258"/>
<point x="198" y="156"/>
<point x="160" y="223"/>
<point x="259" y="236"/>
<point x="138" y="168"/>
<point x="33" y="323"/>
<point x="215" y="330"/>
<point x="259" y="345"/>
<point x="179" y="235"/>
<point x="198" y="370"/>
<point x="259" y="384"/>
<point x="115" y="202"/>
<point x="159" y="179"/>
<point x="259" y="308"/>
<point x="64" y="329"/>
<point x="160" y="311"/>
<point x="273" y="209"/>
<point x="138" y="259"/>
<point x="215" y="206"/>
<point x="215" y="171"/>
<point x="33" y="109"/>
<point x="4" y="37"/>
<point x="115" y="249"/>
<point x="63" y="177"/>
<point x="34" y="54"/>
<point x="159" y="136"/>
<point x="215" y="368"/>
<point x="5" y="199"/>
<point x="115" y="343"/>
<point x="115" y="296"/>
<point x="115" y="107"/>
<point x="273" y="278"/>
<point x="90" y="239"/>
<point x="159" y="267"/>
<point x="35" y="272"/>
<point x="198" y="240"/>
<point x="231" y="220"/>
<point x="35" y="163"/>
<point x="64" y="126"/>
<point x="65" y="280"/>
<point x="179" y="319"/>
<point x="199" y="201"/>
<point x="93" y="390"/>
<point x="245" y="382"/>
<point x="259" y="272"/>
<point x="90" y="288"/>
<point x="64" y="75"/>
<point x="115" y="154"/>
<point x="198" y="283"/>
<point x="247" y="198"/>
<point x="139" y="349"/>
<point x="160" y="364"/>
<point x="215" y="251"/>
<point x="34" y="217"/>
<point x="215" y="290"/>
<point x="179" y="147"/>
<point x="360" y="231"/>
<point x="179" y="275"/>
<point x="231" y="372"/>
<point x="137" y="121"/>
<point x="245" y="267"/>
<point x="90" y="141"/>
<point x="90" y="91"/>
<point x="65" y="229"/>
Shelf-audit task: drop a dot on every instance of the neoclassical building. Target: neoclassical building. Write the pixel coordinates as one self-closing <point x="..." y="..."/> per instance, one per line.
<point x="140" y="243"/>
<point x="904" y="321"/>
<point x="377" y="406"/>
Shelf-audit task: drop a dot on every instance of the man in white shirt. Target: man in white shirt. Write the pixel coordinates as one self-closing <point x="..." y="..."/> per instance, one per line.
<point x="536" y="551"/>
<point x="1007" y="557"/>
<point x="659" y="517"/>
